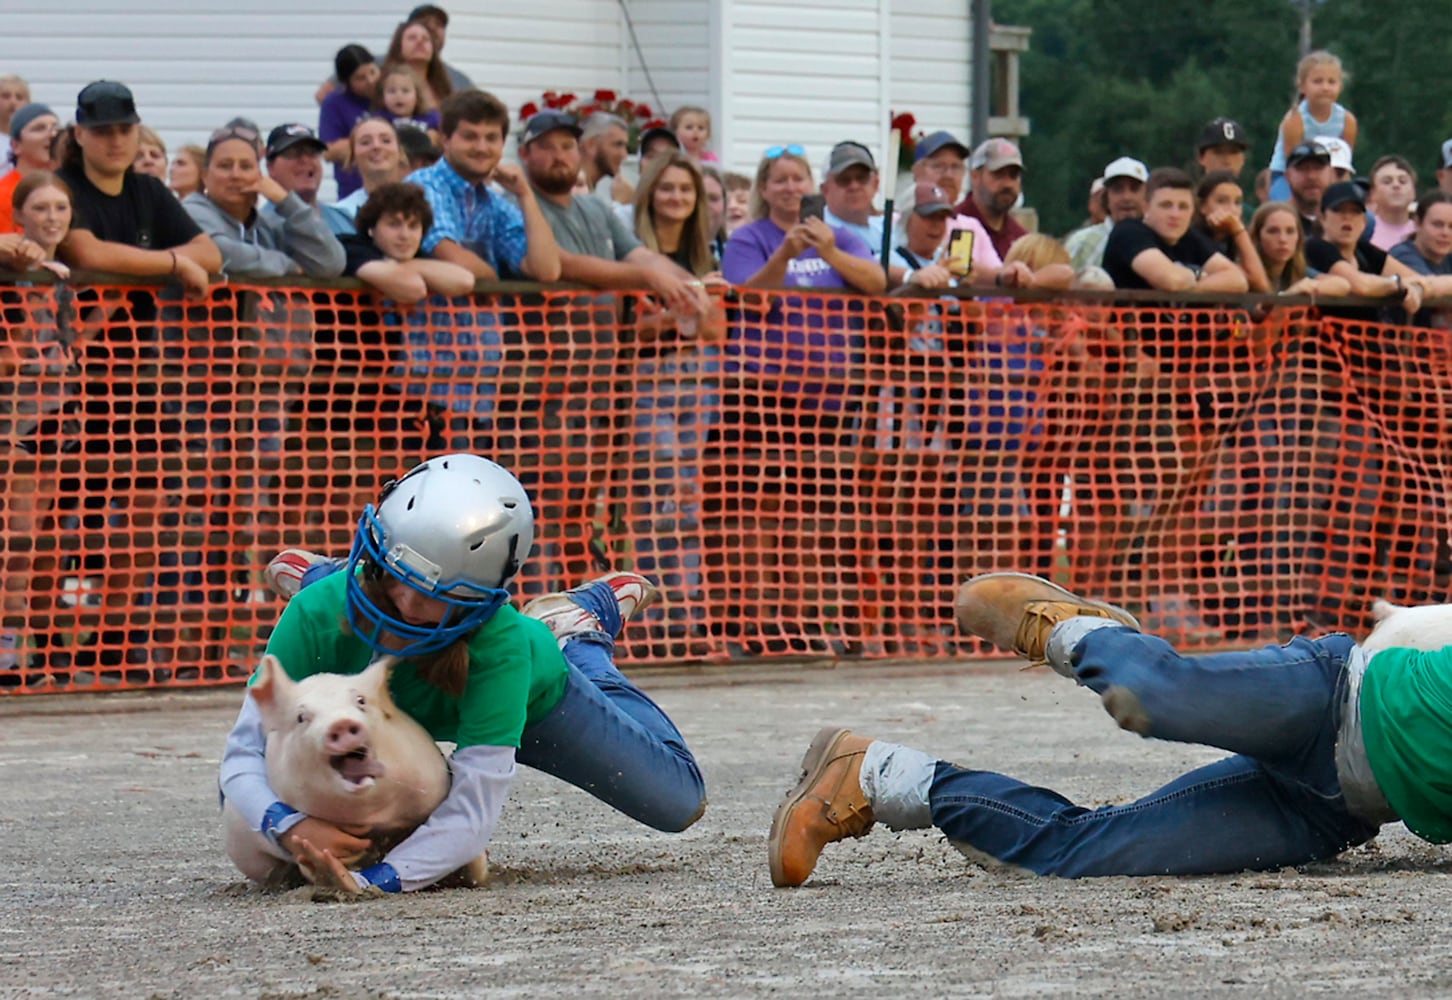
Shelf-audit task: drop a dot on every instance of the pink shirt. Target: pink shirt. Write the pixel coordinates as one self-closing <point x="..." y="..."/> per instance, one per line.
<point x="1387" y="235"/>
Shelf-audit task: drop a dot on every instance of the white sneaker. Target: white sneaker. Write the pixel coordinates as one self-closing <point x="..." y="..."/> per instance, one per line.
<point x="566" y="619"/>
<point x="285" y="572"/>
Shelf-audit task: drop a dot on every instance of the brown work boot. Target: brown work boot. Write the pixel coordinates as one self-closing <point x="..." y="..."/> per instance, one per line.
<point x="826" y="806"/>
<point x="1016" y="611"/>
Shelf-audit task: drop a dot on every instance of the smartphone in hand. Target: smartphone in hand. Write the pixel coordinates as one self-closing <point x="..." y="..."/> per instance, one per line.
<point x="813" y="206"/>
<point x="959" y="260"/>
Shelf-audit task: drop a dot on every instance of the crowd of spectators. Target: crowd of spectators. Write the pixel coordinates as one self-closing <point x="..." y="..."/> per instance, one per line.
<point x="428" y="202"/>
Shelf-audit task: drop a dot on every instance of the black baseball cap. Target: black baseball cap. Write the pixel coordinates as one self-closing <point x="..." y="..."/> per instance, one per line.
<point x="1342" y="192"/>
<point x="285" y="137"/>
<point x="106" y="102"/>
<point x="429" y="10"/>
<point x="1308" y="151"/>
<point x="1222" y="132"/>
<point x="658" y="132"/>
<point x="549" y="120"/>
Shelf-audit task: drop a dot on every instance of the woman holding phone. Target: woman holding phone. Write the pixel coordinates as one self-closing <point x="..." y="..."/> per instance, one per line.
<point x="784" y="247"/>
<point x="793" y="356"/>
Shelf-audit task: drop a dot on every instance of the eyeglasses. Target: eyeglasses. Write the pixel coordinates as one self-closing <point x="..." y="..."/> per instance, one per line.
<point x="777" y="151"/>
<point x="954" y="168"/>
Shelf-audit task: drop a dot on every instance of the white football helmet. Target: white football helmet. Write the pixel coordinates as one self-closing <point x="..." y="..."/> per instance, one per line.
<point x="457" y="529"/>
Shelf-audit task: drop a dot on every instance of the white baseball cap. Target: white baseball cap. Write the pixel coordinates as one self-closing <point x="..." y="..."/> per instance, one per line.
<point x="1340" y="151"/>
<point x="1126" y="166"/>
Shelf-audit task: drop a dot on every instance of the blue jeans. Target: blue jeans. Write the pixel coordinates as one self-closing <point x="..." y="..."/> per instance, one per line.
<point x="607" y="738"/>
<point x="1276" y="803"/>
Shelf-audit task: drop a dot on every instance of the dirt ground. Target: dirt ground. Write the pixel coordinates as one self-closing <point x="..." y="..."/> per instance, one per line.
<point x="114" y="883"/>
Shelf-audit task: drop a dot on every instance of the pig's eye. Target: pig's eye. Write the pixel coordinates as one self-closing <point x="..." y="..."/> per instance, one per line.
<point x="302" y="718"/>
<point x="362" y="702"/>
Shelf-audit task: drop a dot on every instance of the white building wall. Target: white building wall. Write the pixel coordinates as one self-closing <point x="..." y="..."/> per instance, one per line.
<point x="675" y="38"/>
<point x="812" y="72"/>
<point x="932" y="64"/>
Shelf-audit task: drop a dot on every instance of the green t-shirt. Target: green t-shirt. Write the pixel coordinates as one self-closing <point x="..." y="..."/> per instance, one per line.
<point x="516" y="671"/>
<point x="1406" y="719"/>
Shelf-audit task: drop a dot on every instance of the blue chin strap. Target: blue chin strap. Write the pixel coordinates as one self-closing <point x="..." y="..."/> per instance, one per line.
<point x="371" y="623"/>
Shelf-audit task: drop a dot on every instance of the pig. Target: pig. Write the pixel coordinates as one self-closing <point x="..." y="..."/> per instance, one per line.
<point x="339" y="749"/>
<point x="1427" y="627"/>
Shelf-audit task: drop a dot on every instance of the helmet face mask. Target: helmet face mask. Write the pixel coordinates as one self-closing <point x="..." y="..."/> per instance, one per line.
<point x="455" y="529"/>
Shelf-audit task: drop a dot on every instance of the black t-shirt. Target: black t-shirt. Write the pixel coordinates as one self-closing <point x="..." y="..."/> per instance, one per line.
<point x="145" y="214"/>
<point x="1323" y="255"/>
<point x="1131" y="237"/>
<point x="357" y="251"/>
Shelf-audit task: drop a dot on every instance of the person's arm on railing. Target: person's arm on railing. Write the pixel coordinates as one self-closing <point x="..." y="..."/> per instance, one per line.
<point x="83" y="250"/>
<point x="441" y="277"/>
<point x="397" y="281"/>
<point x="1328" y="285"/>
<point x="453" y="253"/>
<point x="1391" y="283"/>
<point x="1156" y="268"/>
<point x="1220" y="274"/>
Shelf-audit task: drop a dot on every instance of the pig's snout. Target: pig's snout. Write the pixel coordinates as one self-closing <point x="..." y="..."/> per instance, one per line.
<point x="345" y="736"/>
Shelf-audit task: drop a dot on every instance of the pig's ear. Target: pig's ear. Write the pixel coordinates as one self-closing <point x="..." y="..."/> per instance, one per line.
<point x="272" y="684"/>
<point x="374" y="681"/>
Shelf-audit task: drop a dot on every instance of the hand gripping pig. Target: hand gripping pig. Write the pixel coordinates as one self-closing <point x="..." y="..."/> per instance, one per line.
<point x="340" y="750"/>
<point x="1425" y="627"/>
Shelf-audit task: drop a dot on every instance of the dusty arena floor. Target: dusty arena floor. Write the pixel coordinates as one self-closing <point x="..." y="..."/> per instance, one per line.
<point x="114" y="883"/>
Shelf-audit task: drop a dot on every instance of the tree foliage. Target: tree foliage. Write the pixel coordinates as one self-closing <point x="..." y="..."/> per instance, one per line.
<point x="1108" y="78"/>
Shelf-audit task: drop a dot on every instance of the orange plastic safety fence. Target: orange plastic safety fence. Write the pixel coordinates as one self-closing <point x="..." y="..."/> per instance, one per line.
<point x="805" y="474"/>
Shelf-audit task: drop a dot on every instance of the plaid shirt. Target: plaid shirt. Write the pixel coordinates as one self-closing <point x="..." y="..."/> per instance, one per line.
<point x="473" y="217"/>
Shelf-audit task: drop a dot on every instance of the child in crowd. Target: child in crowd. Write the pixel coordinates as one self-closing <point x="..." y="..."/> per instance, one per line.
<point x="1317" y="113"/>
<point x="384" y="251"/>
<point x="738" y="201"/>
<point x="692" y="125"/>
<point x="401" y="100"/>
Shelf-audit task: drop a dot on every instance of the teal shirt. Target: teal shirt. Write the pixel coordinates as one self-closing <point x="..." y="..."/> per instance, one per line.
<point x="1406" y="718"/>
<point x="516" y="671"/>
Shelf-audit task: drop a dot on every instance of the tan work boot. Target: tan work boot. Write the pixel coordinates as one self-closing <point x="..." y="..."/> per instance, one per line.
<point x="1016" y="611"/>
<point x="826" y="806"/>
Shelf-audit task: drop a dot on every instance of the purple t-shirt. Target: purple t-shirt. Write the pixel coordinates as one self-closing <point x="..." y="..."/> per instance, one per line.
<point x="341" y="110"/>
<point x="426" y="121"/>
<point x="808" y="335"/>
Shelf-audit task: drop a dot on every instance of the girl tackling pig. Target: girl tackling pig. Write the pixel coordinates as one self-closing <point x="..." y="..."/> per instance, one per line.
<point x="427" y="582"/>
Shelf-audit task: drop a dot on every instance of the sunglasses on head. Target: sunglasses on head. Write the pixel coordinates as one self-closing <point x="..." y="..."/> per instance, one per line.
<point x="234" y="132"/>
<point x="793" y="149"/>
